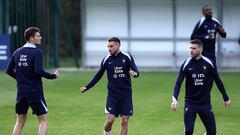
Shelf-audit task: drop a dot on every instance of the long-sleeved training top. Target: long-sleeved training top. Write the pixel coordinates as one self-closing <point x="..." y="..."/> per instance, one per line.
<point x="199" y="75"/>
<point x="118" y="67"/>
<point x="26" y="66"/>
<point x="201" y="31"/>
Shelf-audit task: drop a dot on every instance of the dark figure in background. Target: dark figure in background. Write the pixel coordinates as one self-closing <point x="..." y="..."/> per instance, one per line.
<point x="206" y="30"/>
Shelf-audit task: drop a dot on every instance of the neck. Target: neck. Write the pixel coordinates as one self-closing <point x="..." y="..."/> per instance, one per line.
<point x="115" y="54"/>
<point x="208" y="18"/>
<point x="198" y="57"/>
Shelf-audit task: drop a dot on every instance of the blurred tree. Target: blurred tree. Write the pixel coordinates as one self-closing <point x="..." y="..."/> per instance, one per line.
<point x="71" y="12"/>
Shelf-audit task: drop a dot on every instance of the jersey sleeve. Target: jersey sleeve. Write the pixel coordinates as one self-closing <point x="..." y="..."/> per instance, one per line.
<point x="219" y="83"/>
<point x="97" y="76"/>
<point x="178" y="83"/>
<point x="38" y="66"/>
<point x="134" y="67"/>
<point x="222" y="34"/>
<point x="11" y="68"/>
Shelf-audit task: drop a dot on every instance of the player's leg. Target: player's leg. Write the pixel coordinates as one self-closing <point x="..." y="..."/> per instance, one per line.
<point x="21" y="119"/>
<point x="126" y="110"/>
<point x="208" y="120"/>
<point x="124" y="125"/>
<point x="189" y="120"/>
<point x="43" y="123"/>
<point x="108" y="124"/>
<point x="21" y="112"/>
<point x="39" y="107"/>
<point x="111" y="112"/>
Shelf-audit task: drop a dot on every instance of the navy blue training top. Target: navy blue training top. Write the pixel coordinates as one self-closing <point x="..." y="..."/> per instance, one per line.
<point x="199" y="75"/>
<point x="26" y="66"/>
<point x="203" y="28"/>
<point x="118" y="67"/>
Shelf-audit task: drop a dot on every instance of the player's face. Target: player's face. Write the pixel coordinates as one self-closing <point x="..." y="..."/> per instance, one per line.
<point x="207" y="12"/>
<point x="36" y="39"/>
<point x="113" y="47"/>
<point x="195" y="51"/>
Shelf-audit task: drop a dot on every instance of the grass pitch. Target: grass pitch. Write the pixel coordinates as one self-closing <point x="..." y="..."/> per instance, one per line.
<point x="73" y="113"/>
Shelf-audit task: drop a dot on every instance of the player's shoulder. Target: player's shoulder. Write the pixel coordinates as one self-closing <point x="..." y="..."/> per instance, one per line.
<point x="125" y="54"/>
<point x="208" y="61"/>
<point x="35" y="51"/>
<point x="18" y="50"/>
<point x="201" y="21"/>
<point x="186" y="63"/>
<point x="216" y="20"/>
<point x="105" y="58"/>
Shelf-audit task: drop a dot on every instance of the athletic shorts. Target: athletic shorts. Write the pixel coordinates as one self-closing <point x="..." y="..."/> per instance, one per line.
<point x="119" y="106"/>
<point x="34" y="100"/>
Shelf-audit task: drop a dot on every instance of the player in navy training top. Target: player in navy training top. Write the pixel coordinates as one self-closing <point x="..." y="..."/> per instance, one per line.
<point x="120" y="66"/>
<point x="206" y="30"/>
<point x="26" y="66"/>
<point x="198" y="71"/>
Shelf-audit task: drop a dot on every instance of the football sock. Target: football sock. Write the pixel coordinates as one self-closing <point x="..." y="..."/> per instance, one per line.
<point x="106" y="133"/>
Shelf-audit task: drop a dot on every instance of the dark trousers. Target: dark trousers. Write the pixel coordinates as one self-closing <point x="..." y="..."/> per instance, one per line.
<point x="206" y="115"/>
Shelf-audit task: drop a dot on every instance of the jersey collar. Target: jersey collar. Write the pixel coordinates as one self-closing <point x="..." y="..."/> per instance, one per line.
<point x="30" y="45"/>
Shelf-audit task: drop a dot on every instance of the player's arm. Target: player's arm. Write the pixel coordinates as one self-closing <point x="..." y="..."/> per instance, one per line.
<point x="134" y="70"/>
<point x="38" y="67"/>
<point x="11" y="71"/>
<point x="221" y="31"/>
<point x="177" y="88"/>
<point x="221" y="88"/>
<point x="95" y="79"/>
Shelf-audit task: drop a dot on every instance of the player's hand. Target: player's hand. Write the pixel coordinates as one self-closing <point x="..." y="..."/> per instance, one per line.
<point x="56" y="72"/>
<point x="132" y="73"/>
<point x="83" y="89"/>
<point x="227" y="104"/>
<point x="174" y="106"/>
<point x="221" y="30"/>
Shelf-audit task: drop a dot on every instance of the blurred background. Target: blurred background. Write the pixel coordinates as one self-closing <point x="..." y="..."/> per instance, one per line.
<point x="155" y="32"/>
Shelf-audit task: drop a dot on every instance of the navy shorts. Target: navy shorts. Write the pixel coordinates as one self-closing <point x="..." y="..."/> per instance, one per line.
<point x="119" y="106"/>
<point x="34" y="100"/>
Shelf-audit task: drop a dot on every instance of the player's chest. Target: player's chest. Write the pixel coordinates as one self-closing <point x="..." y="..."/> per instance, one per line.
<point x="117" y="64"/>
<point x="210" y="26"/>
<point x="200" y="72"/>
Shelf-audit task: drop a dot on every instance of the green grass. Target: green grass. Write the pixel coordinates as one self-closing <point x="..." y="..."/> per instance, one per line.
<point x="72" y="113"/>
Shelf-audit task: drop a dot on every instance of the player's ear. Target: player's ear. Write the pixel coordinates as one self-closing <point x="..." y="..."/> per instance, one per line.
<point x="201" y="49"/>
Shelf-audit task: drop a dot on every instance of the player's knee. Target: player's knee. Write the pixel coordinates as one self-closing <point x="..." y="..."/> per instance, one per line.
<point x="21" y="120"/>
<point x="124" y="121"/>
<point x="109" y="121"/>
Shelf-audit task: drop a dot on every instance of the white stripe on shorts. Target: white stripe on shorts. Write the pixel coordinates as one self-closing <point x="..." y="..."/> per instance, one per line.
<point x="45" y="107"/>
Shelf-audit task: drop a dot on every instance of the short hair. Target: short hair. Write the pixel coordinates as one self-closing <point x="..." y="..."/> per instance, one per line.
<point x="198" y="42"/>
<point x="114" y="39"/>
<point x="30" y="32"/>
<point x="205" y="6"/>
